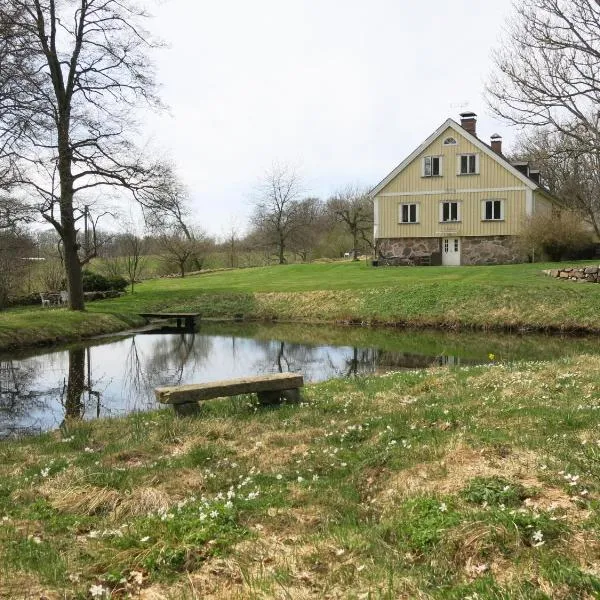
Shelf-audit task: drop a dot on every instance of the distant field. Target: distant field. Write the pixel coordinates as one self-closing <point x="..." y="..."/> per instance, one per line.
<point x="496" y="297"/>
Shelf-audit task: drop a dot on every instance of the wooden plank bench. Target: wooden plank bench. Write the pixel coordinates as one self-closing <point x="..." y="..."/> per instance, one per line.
<point x="269" y="388"/>
<point x="189" y="319"/>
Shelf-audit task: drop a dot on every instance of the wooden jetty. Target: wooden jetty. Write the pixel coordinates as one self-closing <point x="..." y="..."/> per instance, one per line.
<point x="187" y="319"/>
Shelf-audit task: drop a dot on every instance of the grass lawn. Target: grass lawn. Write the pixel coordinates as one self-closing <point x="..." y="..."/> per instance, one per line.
<point x="473" y="483"/>
<point x="496" y="297"/>
<point x="483" y="297"/>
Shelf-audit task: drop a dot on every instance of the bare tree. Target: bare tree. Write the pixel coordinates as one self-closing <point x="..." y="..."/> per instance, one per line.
<point x="548" y="70"/>
<point x="570" y="170"/>
<point x="72" y="75"/>
<point x="353" y="207"/>
<point x="231" y="242"/>
<point x="134" y="260"/>
<point x="278" y="211"/>
<point x="305" y="236"/>
<point x="183" y="251"/>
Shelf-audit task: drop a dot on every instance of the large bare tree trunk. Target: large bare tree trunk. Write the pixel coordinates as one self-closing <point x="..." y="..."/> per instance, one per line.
<point x="281" y="251"/>
<point x="67" y="229"/>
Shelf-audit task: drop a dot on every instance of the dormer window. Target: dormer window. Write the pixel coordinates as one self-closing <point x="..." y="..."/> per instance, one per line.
<point x="432" y="166"/>
<point x="450" y="141"/>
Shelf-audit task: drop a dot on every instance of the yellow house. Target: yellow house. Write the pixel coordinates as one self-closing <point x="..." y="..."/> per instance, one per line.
<point x="458" y="199"/>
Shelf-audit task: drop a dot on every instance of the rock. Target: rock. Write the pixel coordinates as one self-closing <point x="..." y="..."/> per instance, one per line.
<point x="590" y="270"/>
<point x="564" y="275"/>
<point x="554" y="272"/>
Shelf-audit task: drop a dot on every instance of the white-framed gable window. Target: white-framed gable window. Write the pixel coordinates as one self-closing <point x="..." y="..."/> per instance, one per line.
<point x="492" y="210"/>
<point x="408" y="212"/>
<point x="468" y="164"/>
<point x="431" y="166"/>
<point x="449" y="211"/>
<point x="450" y="141"/>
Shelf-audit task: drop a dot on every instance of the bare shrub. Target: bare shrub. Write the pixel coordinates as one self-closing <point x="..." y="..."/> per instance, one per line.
<point x="556" y="237"/>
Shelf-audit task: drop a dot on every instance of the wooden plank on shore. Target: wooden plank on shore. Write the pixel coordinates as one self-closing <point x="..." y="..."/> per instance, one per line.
<point x="196" y="392"/>
<point x="157" y="315"/>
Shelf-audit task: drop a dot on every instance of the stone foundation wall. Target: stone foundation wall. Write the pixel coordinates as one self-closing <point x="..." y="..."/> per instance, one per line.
<point x="490" y="250"/>
<point x="407" y="247"/>
<point x="485" y="250"/>
<point x="580" y="274"/>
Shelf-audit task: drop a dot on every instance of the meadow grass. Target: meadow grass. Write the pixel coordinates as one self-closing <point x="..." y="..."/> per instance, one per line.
<point x="514" y="297"/>
<point x="471" y="483"/>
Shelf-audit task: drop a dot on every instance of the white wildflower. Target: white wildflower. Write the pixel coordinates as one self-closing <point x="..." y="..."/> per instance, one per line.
<point x="97" y="591"/>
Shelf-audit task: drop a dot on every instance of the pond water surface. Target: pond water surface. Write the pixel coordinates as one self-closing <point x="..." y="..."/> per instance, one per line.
<point x="114" y="376"/>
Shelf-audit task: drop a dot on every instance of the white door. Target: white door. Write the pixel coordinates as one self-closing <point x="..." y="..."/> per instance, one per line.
<point x="451" y="251"/>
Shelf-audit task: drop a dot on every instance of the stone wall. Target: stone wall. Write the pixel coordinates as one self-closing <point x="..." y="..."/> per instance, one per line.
<point x="407" y="247"/>
<point x="580" y="274"/>
<point x="490" y="250"/>
<point x="484" y="250"/>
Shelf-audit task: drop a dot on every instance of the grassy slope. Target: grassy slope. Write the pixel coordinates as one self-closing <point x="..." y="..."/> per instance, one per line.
<point x="481" y="482"/>
<point x="511" y="296"/>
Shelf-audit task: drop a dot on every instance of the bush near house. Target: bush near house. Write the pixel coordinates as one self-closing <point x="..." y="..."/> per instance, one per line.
<point x="564" y="238"/>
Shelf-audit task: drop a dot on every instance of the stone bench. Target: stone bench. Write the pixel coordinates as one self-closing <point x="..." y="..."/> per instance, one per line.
<point x="269" y="388"/>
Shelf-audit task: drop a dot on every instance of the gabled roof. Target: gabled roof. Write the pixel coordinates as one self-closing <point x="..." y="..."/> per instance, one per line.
<point x="471" y="138"/>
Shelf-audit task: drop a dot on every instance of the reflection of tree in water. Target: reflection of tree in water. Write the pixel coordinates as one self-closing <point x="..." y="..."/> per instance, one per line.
<point x="362" y="362"/>
<point x="282" y="357"/>
<point x="77" y="384"/>
<point x="166" y="363"/>
<point x="17" y="399"/>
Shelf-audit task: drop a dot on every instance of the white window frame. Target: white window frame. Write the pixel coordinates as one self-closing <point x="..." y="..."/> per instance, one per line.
<point x="459" y="161"/>
<point x="441" y="165"/>
<point x="458" y="211"/>
<point x="450" y="141"/>
<point x="417" y="213"/>
<point x="483" y="211"/>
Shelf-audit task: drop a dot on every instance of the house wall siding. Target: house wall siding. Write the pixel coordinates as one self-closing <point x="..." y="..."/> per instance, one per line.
<point x="542" y="206"/>
<point x="409" y="186"/>
<point x="470" y="223"/>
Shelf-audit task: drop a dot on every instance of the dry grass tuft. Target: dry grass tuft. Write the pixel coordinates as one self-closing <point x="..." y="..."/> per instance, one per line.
<point x="86" y="500"/>
<point x="18" y="584"/>
<point x="179" y="483"/>
<point x="142" y="501"/>
<point x="462" y="463"/>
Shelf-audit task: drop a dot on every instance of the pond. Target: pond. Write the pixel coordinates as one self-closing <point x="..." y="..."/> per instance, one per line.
<point x="113" y="376"/>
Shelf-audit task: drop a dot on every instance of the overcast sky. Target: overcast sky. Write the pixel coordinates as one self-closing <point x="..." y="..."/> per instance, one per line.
<point x="344" y="90"/>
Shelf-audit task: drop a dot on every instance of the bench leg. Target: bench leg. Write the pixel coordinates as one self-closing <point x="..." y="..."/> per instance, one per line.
<point x="189" y="409"/>
<point x="268" y="398"/>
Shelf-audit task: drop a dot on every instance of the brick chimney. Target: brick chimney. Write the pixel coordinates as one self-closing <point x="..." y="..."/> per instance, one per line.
<point x="496" y="143"/>
<point x="468" y="121"/>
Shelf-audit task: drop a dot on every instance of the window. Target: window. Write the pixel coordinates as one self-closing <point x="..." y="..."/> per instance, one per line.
<point x="432" y="166"/>
<point x="468" y="164"/>
<point x="449" y="211"/>
<point x="450" y="141"/>
<point x="492" y="210"/>
<point x="409" y="213"/>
